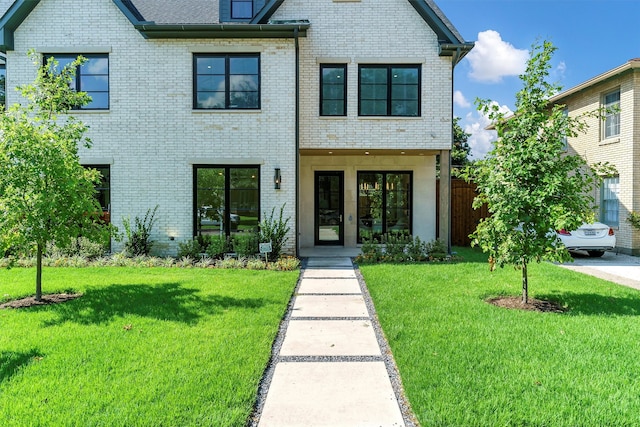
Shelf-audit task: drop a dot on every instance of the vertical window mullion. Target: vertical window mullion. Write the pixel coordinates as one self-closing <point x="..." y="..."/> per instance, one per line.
<point x="227" y="77"/>
<point x="389" y="93"/>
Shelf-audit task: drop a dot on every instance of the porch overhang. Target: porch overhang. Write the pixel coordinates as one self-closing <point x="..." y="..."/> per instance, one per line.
<point x="368" y="152"/>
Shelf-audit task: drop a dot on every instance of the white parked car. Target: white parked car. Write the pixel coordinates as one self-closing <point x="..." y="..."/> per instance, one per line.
<point x="594" y="238"/>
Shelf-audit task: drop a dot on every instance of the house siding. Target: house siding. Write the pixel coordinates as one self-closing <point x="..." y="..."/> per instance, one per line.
<point x="151" y="136"/>
<point x="620" y="151"/>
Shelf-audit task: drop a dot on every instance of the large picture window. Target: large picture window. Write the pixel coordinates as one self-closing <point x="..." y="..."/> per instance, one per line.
<point x="384" y="204"/>
<point x="389" y="90"/>
<point x="92" y="77"/>
<point x="227" y="199"/>
<point x="333" y="89"/>
<point x="609" y="205"/>
<point x="226" y="82"/>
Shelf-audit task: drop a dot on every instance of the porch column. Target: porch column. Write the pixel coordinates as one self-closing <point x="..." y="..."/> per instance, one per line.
<point x="444" y="229"/>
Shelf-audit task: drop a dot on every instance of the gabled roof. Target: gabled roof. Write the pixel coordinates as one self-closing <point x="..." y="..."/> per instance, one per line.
<point x="199" y="19"/>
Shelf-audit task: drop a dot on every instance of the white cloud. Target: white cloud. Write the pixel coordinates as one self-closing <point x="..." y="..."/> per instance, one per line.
<point x="460" y="100"/>
<point x="560" y="70"/>
<point x="481" y="140"/>
<point x="492" y="58"/>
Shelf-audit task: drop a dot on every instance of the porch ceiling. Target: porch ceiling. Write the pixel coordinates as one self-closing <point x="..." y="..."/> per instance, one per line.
<point x="365" y="152"/>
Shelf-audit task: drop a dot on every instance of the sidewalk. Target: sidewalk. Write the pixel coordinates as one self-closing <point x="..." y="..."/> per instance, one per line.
<point x="329" y="369"/>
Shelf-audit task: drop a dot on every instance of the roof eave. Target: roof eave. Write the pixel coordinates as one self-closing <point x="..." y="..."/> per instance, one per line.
<point x="630" y="65"/>
<point x="445" y="34"/>
<point x="217" y="31"/>
<point x="12" y="19"/>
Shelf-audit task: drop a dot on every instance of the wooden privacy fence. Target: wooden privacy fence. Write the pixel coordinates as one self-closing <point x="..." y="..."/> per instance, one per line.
<point x="464" y="218"/>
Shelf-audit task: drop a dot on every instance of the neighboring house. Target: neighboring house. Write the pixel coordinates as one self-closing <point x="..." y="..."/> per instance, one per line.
<point x="611" y="138"/>
<point x="219" y="111"/>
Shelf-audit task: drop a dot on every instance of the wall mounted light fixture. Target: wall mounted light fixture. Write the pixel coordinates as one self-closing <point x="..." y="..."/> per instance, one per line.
<point x="277" y="179"/>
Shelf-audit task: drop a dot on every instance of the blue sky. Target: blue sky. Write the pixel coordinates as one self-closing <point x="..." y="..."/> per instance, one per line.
<point x="592" y="37"/>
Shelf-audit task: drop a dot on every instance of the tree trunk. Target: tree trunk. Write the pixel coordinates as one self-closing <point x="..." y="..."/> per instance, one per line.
<point x="39" y="273"/>
<point x="525" y="283"/>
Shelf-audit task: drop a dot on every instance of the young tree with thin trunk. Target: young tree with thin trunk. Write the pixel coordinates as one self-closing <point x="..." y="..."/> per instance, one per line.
<point x="531" y="185"/>
<point x="45" y="194"/>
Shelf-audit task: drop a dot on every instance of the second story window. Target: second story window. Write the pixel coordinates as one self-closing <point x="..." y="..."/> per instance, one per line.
<point x="226" y="82"/>
<point x="333" y="89"/>
<point x="241" y="9"/>
<point x="389" y="90"/>
<point x="92" y="77"/>
<point x="611" y="103"/>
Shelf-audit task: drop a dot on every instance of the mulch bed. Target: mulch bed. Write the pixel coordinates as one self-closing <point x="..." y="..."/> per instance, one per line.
<point x="515" y="303"/>
<point x="45" y="300"/>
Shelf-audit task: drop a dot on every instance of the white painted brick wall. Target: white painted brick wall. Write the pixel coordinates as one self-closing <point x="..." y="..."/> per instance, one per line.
<point x="358" y="31"/>
<point x="150" y="134"/>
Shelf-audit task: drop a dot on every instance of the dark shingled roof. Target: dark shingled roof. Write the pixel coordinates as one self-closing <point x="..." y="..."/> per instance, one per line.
<point x="178" y="11"/>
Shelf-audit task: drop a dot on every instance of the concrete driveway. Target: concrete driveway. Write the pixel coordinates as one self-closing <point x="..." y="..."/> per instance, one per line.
<point x="617" y="268"/>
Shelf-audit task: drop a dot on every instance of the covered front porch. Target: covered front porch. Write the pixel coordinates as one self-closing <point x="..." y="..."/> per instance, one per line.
<point x="347" y="196"/>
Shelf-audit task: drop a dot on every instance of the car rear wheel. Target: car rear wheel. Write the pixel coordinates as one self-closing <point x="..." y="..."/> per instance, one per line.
<point x="595" y="254"/>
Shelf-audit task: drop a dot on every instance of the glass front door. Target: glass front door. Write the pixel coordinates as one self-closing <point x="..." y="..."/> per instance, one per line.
<point x="329" y="213"/>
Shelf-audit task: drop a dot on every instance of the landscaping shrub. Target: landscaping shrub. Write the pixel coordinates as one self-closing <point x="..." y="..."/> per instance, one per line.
<point x="245" y="244"/>
<point x="139" y="235"/>
<point x="218" y="246"/>
<point x="275" y="231"/>
<point x="401" y="248"/>
<point x="78" y="247"/>
<point x="190" y="248"/>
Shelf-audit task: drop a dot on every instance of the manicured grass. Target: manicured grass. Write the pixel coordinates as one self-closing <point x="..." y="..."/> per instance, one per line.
<point x="464" y="362"/>
<point x="142" y="347"/>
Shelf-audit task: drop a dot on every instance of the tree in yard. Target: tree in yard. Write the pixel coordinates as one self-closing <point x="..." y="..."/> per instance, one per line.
<point x="460" y="150"/>
<point x="45" y="194"/>
<point x="531" y="185"/>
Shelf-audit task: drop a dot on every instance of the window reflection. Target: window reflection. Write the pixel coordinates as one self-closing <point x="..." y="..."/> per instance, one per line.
<point x="384" y="204"/>
<point x="227" y="199"/>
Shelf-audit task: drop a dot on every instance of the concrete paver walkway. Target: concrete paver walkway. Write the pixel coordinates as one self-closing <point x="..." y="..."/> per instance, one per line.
<point x="330" y="370"/>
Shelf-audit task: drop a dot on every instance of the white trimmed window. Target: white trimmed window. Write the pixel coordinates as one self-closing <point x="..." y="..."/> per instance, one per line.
<point x="611" y="104"/>
<point x="609" y="204"/>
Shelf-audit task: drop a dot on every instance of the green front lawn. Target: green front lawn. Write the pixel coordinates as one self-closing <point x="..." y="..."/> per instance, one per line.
<point x="464" y="362"/>
<point x="142" y="347"/>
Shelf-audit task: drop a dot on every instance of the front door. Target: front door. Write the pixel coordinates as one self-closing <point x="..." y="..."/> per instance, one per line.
<point x="329" y="211"/>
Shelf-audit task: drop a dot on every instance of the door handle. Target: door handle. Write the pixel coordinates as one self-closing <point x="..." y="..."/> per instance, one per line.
<point x="340" y="218"/>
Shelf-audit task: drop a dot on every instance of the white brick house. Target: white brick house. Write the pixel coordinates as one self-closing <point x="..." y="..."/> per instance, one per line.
<point x="200" y="104"/>
<point x="612" y="139"/>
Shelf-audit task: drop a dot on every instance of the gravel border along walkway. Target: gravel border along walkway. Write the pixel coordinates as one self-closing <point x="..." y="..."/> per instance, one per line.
<point x="409" y="418"/>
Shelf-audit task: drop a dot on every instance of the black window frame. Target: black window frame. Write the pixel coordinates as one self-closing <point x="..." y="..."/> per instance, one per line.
<point x="384" y="199"/>
<point x="227" y="101"/>
<point x="231" y="11"/>
<point x="79" y="74"/>
<point x="322" y="87"/>
<point x="227" y="194"/>
<point x="389" y="89"/>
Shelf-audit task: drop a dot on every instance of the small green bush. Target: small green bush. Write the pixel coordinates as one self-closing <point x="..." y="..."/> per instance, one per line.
<point x="138" y="235"/>
<point x="190" y="248"/>
<point x="245" y="244"/>
<point x="218" y="246"/>
<point x="401" y="248"/>
<point x="275" y="231"/>
<point x="81" y="246"/>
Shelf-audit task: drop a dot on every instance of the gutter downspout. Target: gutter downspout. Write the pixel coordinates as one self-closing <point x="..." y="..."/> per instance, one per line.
<point x="454" y="62"/>
<point x="297" y="138"/>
